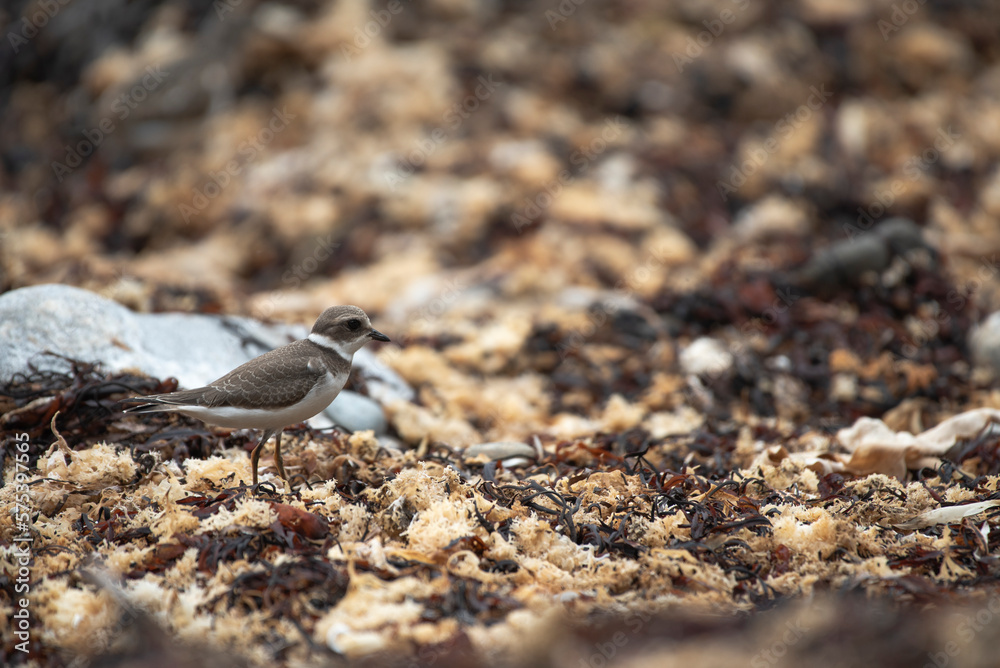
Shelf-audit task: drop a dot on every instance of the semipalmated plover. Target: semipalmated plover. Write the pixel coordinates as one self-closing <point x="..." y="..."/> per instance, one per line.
<point x="282" y="387"/>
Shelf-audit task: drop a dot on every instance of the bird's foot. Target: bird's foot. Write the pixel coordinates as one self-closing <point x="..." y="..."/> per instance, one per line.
<point x="266" y="488"/>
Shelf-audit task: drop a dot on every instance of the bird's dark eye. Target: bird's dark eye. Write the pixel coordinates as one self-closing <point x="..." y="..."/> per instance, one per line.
<point x="353" y="324"/>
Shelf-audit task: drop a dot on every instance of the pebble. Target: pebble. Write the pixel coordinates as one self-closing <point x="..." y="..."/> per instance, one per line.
<point x="351" y="642"/>
<point x="501" y="450"/>
<point x="844" y="387"/>
<point x="771" y="216"/>
<point x="706" y="356"/>
<point x="984" y="344"/>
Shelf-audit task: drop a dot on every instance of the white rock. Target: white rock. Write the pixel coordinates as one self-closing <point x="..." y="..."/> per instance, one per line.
<point x="344" y="640"/>
<point x="357" y="412"/>
<point x="196" y="349"/>
<point x="706" y="356"/>
<point x="844" y="387"/>
<point x="984" y="343"/>
<point x="82" y="325"/>
<point x="770" y="216"/>
<point x="498" y="450"/>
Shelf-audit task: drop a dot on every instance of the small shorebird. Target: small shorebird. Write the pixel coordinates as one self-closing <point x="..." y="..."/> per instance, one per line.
<point x="282" y="387"/>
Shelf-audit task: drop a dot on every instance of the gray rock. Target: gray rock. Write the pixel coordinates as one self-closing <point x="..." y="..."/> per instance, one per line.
<point x="498" y="450"/>
<point x="383" y="384"/>
<point x="867" y="251"/>
<point x="357" y="412"/>
<point x="902" y="233"/>
<point x="196" y="349"/>
<point x="80" y="324"/>
<point x="844" y="260"/>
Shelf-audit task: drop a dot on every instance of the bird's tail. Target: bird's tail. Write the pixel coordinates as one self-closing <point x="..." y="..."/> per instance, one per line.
<point x="150" y="404"/>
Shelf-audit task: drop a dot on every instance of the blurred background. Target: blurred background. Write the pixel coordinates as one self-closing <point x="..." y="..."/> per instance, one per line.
<point x="573" y="217"/>
<point x="212" y="148"/>
<point x="513" y="185"/>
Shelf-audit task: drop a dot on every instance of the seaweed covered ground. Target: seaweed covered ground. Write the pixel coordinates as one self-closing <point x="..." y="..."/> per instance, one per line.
<point x="693" y="297"/>
<point x="618" y="546"/>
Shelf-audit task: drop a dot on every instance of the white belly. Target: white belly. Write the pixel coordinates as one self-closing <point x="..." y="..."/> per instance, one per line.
<point x="271" y="418"/>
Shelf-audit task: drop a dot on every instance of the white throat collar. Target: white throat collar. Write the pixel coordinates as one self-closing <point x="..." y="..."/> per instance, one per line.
<point x="342" y="348"/>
